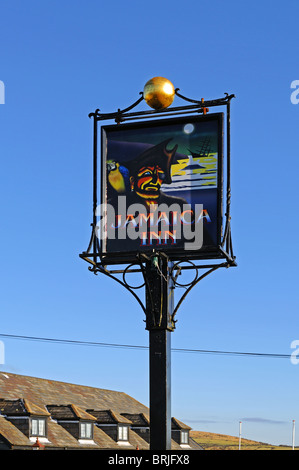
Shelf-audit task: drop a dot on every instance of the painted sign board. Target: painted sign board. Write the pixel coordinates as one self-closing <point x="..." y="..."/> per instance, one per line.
<point x="161" y="188"/>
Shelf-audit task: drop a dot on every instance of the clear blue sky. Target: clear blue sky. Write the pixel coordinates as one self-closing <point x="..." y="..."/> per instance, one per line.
<point x="61" y="60"/>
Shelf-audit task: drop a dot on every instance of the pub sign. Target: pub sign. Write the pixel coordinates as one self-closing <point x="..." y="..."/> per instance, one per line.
<point x="161" y="188"/>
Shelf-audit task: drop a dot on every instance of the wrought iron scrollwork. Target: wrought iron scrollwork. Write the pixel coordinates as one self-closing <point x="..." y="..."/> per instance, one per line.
<point x="199" y="106"/>
<point x="192" y="284"/>
<point x="118" y="114"/>
<point x="103" y="270"/>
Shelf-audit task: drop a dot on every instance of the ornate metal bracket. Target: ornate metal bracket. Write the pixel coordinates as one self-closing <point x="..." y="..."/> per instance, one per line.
<point x="160" y="279"/>
<point x="198" y="106"/>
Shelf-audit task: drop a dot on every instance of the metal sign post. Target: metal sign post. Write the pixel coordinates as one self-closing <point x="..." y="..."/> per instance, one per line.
<point x="159" y="310"/>
<point x="139" y="176"/>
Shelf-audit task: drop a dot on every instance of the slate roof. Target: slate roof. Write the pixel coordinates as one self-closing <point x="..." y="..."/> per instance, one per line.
<point x="11" y="434"/>
<point x="69" y="412"/>
<point x="22" y="397"/>
<point x="138" y="419"/>
<point x="21" y="407"/>
<point x="108" y="417"/>
<point x="45" y="391"/>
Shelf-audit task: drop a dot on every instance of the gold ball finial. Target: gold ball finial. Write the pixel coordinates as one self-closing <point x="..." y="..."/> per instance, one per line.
<point x="159" y="92"/>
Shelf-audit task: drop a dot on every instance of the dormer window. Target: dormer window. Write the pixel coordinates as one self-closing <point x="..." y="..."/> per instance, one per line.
<point x="123" y="433"/>
<point x="74" y="420"/>
<point x="184" y="437"/>
<point x="86" y="430"/>
<point x="38" y="427"/>
<point x="180" y="432"/>
<point x="113" y="424"/>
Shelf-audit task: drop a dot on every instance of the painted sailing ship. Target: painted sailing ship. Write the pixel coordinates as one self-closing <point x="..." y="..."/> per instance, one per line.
<point x="197" y="171"/>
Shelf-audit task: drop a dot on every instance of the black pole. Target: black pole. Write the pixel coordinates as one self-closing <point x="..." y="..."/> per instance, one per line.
<point x="160" y="389"/>
<point x="159" y="307"/>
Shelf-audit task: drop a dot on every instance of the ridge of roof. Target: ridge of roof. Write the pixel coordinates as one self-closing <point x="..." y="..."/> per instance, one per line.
<point x="179" y="424"/>
<point x="118" y="417"/>
<point x="82" y="414"/>
<point x="113" y="416"/>
<point x="34" y="409"/>
<point x="140" y="417"/>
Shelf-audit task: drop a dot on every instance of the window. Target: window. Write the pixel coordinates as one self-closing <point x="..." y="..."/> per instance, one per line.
<point x="123" y="433"/>
<point x="86" y="430"/>
<point x="38" y="427"/>
<point x="184" y="437"/>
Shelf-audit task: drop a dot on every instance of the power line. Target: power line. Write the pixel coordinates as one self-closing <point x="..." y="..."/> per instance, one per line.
<point x="131" y="346"/>
<point x="73" y="342"/>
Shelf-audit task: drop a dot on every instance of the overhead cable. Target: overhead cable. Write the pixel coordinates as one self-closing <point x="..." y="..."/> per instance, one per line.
<point x="131" y="346"/>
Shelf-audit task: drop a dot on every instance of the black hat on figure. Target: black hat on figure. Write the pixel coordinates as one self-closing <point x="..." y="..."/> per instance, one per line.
<point x="156" y="155"/>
